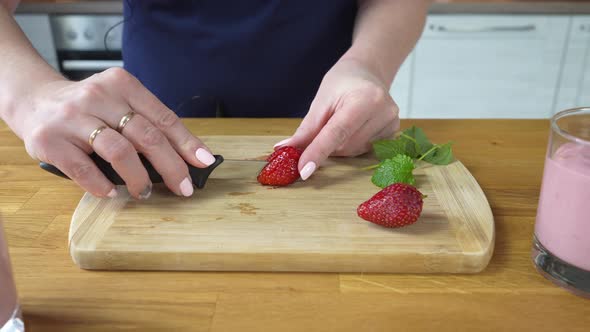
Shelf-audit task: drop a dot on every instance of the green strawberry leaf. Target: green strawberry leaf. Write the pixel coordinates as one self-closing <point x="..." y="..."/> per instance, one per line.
<point x="395" y="170"/>
<point x="389" y="148"/>
<point x="442" y="155"/>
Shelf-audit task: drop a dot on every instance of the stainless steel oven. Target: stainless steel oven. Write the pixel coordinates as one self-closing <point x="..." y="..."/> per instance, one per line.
<point x="87" y="44"/>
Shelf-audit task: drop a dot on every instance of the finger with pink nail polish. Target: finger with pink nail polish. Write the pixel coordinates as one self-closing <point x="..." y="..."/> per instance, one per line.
<point x="282" y="143"/>
<point x="307" y="170"/>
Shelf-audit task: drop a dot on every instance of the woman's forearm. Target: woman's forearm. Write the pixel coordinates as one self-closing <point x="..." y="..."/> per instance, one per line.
<point x="10" y="5"/>
<point x="22" y="70"/>
<point x="385" y="33"/>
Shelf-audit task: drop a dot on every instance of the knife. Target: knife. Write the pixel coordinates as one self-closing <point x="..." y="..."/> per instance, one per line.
<point x="198" y="175"/>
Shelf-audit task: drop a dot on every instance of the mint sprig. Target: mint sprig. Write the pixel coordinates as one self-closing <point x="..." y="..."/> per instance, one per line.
<point x="439" y="154"/>
<point x="420" y="143"/>
<point x="389" y="148"/>
<point x="394" y="170"/>
<point x="397" y="156"/>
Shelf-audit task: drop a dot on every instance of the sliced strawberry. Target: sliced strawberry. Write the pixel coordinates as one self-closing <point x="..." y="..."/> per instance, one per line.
<point x="274" y="154"/>
<point x="281" y="169"/>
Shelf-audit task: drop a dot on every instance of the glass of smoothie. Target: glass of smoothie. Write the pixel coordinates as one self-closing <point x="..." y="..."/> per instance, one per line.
<point x="561" y="246"/>
<point x="10" y="317"/>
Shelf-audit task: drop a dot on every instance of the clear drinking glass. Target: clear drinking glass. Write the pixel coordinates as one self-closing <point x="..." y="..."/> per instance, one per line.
<point x="561" y="246"/>
<point x="10" y="316"/>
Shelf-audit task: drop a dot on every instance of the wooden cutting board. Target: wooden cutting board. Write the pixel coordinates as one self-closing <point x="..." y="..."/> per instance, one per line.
<point x="236" y="224"/>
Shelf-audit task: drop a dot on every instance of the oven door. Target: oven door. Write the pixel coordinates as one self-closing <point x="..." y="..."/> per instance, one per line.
<point x="80" y="65"/>
<point x="87" y="44"/>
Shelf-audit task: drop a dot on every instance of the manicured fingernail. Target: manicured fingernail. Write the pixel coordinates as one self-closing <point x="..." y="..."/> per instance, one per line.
<point x="205" y="156"/>
<point x="112" y="193"/>
<point x="308" y="170"/>
<point x="283" y="142"/>
<point x="186" y="187"/>
<point x="146" y="193"/>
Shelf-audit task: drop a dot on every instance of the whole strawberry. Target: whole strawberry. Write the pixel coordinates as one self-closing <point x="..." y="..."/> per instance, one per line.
<point x="397" y="205"/>
<point x="281" y="169"/>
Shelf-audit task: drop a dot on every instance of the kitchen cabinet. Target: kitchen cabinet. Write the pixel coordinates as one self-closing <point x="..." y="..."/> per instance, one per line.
<point x="400" y="89"/>
<point x="37" y="28"/>
<point x="488" y="66"/>
<point x="574" y="87"/>
<point x="583" y="95"/>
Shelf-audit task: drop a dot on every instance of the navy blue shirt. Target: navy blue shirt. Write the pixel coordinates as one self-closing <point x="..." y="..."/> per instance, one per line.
<point x="258" y="58"/>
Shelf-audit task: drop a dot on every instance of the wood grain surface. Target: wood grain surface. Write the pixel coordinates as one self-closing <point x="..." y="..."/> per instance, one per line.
<point x="436" y="1"/>
<point x="236" y="224"/>
<point x="505" y="156"/>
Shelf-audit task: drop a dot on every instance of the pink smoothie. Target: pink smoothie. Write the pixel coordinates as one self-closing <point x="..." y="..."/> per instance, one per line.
<point x="563" y="215"/>
<point x="8" y="299"/>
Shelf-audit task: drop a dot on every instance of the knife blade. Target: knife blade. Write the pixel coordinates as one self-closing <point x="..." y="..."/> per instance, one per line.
<point x="198" y="175"/>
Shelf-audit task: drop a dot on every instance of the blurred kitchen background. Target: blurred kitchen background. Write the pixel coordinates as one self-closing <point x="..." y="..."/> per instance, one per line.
<point x="476" y="59"/>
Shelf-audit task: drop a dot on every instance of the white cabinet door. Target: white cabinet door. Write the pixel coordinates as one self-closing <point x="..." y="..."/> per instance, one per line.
<point x="400" y="89"/>
<point x="583" y="95"/>
<point x="38" y="30"/>
<point x="574" y="87"/>
<point x="488" y="66"/>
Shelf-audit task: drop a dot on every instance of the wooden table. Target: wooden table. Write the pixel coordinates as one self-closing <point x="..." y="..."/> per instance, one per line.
<point x="506" y="156"/>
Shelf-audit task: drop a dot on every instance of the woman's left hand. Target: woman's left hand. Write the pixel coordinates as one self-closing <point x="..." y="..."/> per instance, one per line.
<point x="351" y="109"/>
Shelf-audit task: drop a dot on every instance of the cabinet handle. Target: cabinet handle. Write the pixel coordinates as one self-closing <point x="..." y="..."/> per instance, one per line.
<point x="90" y="65"/>
<point x="498" y="28"/>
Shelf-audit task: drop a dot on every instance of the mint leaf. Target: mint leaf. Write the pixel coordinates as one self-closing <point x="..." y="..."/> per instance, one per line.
<point x="420" y="145"/>
<point x="397" y="156"/>
<point x="394" y="170"/>
<point x="442" y="155"/>
<point x="389" y="148"/>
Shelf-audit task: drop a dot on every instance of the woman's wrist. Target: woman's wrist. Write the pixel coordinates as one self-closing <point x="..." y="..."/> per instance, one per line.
<point x="368" y="65"/>
<point x="22" y="72"/>
<point x="17" y="104"/>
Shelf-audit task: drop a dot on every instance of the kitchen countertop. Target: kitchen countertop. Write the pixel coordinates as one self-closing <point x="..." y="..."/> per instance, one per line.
<point x="505" y="156"/>
<point x="439" y="7"/>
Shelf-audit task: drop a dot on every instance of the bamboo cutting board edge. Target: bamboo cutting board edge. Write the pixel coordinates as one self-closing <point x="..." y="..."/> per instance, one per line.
<point x="271" y="262"/>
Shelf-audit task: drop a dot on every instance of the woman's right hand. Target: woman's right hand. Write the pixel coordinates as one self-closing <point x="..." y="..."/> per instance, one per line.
<point x="63" y="114"/>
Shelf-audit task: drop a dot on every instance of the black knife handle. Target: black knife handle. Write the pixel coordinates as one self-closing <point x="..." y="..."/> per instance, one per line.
<point x="198" y="175"/>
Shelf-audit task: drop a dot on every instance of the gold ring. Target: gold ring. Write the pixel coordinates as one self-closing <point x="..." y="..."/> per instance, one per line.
<point x="95" y="133"/>
<point x="124" y="120"/>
